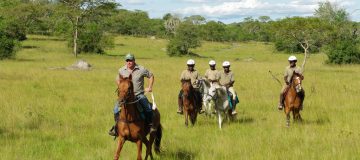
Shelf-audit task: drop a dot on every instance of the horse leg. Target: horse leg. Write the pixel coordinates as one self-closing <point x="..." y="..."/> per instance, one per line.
<point x="186" y="117"/>
<point x="219" y="118"/>
<point x="139" y="147"/>
<point x="148" y="145"/>
<point x="297" y="115"/>
<point x="230" y="116"/>
<point x="119" y="147"/>
<point x="294" y="115"/>
<point x="287" y="112"/>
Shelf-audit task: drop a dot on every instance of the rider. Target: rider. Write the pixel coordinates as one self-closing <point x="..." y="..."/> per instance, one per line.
<point x="227" y="80"/>
<point x="190" y="74"/>
<point x="289" y="70"/>
<point x="138" y="73"/>
<point x="212" y="75"/>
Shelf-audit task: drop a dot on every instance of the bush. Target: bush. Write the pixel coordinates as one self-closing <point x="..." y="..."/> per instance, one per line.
<point x="7" y="43"/>
<point x="186" y="37"/>
<point x="92" y="39"/>
<point x="343" y="52"/>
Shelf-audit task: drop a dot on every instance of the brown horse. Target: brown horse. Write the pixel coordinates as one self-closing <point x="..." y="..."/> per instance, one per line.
<point x="294" y="98"/>
<point x="131" y="126"/>
<point x="189" y="102"/>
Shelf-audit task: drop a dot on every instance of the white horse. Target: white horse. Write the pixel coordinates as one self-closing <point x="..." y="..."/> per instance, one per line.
<point x="222" y="105"/>
<point x="208" y="101"/>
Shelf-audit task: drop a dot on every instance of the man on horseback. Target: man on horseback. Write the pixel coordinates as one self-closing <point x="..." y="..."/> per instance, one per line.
<point x="289" y="70"/>
<point x="212" y="75"/>
<point x="190" y="74"/>
<point x="138" y="73"/>
<point x="227" y="80"/>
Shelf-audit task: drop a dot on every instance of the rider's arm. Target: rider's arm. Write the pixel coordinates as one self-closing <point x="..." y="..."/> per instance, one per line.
<point x="117" y="80"/>
<point x="151" y="83"/>
<point x="285" y="79"/>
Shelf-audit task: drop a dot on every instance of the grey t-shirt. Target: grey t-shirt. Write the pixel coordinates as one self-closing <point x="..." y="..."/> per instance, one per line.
<point x="138" y="75"/>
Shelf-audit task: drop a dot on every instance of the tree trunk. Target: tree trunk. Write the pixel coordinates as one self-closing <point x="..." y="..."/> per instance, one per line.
<point x="305" y="46"/>
<point x="76" y="35"/>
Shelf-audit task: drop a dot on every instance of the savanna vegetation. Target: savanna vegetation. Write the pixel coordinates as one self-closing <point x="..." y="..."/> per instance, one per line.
<point x="49" y="113"/>
<point x="62" y="114"/>
<point x="89" y="27"/>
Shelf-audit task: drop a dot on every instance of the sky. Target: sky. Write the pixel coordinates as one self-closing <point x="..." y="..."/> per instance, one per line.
<point x="229" y="11"/>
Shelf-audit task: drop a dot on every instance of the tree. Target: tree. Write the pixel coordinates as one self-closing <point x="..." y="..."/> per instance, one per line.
<point x="331" y="13"/>
<point x="171" y="23"/>
<point x="264" y="19"/>
<point x="81" y="12"/>
<point x="195" y="19"/>
<point x="342" y="36"/>
<point x="7" y="41"/>
<point x="299" y="32"/>
<point x="186" y="37"/>
<point x="213" y="31"/>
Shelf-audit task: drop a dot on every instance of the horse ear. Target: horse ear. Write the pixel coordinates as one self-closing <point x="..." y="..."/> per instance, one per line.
<point x="130" y="76"/>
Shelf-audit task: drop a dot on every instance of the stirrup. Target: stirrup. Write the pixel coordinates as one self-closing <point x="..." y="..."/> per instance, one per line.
<point x="280" y="107"/>
<point x="201" y="111"/>
<point x="112" y="132"/>
<point x="233" y="112"/>
<point x="179" y="112"/>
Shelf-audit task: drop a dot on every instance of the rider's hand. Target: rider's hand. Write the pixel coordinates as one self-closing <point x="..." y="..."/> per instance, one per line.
<point x="148" y="89"/>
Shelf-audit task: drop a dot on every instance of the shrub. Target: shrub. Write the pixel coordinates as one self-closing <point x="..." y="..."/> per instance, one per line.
<point x="343" y="52"/>
<point x="7" y="43"/>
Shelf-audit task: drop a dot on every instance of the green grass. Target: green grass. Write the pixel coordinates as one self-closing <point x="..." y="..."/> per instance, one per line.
<point x="60" y="114"/>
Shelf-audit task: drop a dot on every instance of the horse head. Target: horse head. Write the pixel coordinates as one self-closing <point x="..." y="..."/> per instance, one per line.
<point x="212" y="91"/>
<point x="296" y="81"/>
<point x="125" y="89"/>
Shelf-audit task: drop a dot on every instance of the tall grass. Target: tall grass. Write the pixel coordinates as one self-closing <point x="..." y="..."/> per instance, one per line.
<point x="61" y="114"/>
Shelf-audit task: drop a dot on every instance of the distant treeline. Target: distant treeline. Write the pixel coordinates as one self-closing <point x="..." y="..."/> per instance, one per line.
<point x="90" y="25"/>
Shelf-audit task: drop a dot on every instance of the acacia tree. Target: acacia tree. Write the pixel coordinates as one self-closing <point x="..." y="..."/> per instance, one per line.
<point x="299" y="31"/>
<point x="80" y="12"/>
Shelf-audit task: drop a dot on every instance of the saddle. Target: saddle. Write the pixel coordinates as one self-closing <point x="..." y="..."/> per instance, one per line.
<point x="144" y="115"/>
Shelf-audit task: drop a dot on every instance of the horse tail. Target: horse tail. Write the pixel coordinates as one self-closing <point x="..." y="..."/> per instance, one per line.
<point x="158" y="139"/>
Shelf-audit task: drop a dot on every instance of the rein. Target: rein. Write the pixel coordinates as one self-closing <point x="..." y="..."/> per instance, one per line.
<point x="126" y="103"/>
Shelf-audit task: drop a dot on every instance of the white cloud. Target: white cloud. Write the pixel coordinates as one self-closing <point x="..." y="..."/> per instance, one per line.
<point x="133" y="1"/>
<point x="255" y="8"/>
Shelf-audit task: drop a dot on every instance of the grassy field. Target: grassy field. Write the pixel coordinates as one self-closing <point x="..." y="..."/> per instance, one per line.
<point x="61" y="114"/>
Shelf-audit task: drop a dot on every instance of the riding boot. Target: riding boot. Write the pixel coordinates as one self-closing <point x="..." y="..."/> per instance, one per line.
<point x="113" y="130"/>
<point x="233" y="108"/>
<point x="180" y="106"/>
<point x="281" y="103"/>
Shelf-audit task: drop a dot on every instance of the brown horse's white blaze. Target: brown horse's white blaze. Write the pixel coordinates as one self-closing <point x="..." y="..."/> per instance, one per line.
<point x="131" y="127"/>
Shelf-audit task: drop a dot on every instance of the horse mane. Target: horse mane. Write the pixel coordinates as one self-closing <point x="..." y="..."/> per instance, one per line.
<point x="207" y="83"/>
<point x="186" y="83"/>
<point x="221" y="90"/>
<point x="295" y="74"/>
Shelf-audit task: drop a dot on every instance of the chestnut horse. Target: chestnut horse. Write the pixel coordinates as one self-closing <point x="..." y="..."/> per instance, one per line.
<point x="189" y="102"/>
<point x="131" y="126"/>
<point x="293" y="98"/>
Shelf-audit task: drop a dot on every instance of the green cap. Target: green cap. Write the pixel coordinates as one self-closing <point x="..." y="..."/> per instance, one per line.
<point x="130" y="57"/>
